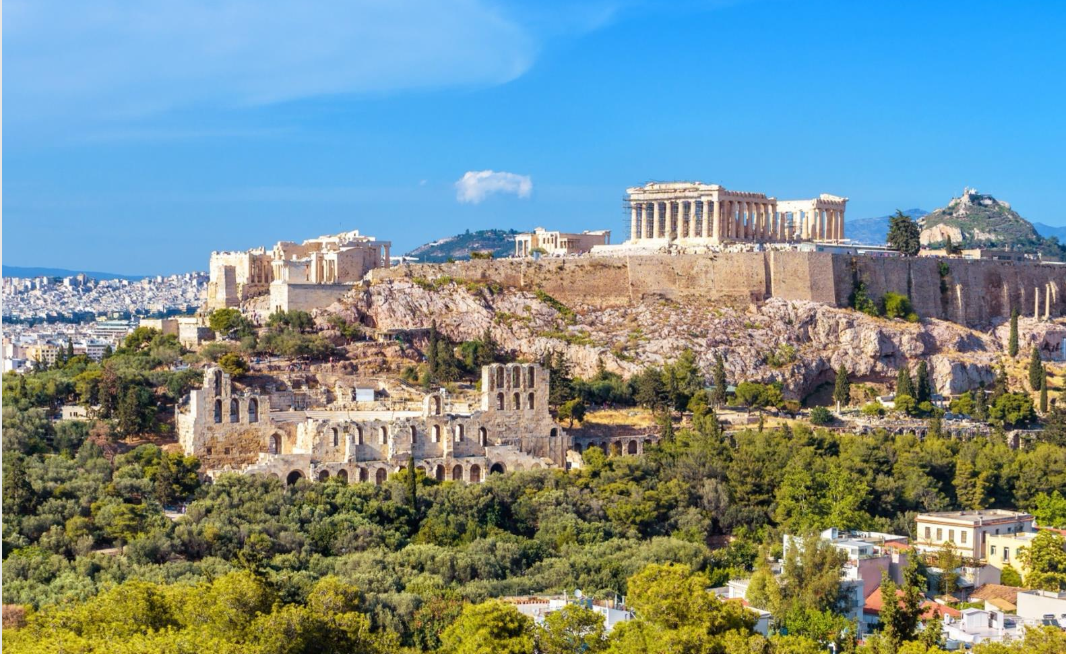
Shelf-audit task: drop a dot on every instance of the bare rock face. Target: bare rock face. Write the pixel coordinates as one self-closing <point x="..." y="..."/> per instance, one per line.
<point x="800" y="344"/>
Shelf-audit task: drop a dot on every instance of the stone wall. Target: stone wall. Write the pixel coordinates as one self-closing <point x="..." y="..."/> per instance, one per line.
<point x="973" y="293"/>
<point x="305" y="297"/>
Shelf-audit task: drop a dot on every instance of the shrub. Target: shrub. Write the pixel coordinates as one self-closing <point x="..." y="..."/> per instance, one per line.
<point x="873" y="409"/>
<point x="906" y="404"/>
<point x="821" y="416"/>
<point x="897" y="305"/>
<point x="233" y="364"/>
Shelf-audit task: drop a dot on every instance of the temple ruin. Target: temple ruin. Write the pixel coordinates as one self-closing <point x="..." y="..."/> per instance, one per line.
<point x="231" y="429"/>
<point x="697" y="214"/>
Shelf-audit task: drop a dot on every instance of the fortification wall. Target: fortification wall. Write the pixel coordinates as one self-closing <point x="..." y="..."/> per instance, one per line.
<point x="969" y="292"/>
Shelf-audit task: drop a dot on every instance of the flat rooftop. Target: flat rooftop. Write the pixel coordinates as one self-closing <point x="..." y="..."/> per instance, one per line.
<point x="978" y="516"/>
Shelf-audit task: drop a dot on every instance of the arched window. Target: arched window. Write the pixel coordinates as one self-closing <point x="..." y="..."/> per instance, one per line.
<point x="554" y="432"/>
<point x="531" y="376"/>
<point x="253" y="410"/>
<point x="457" y="473"/>
<point x="384" y="435"/>
<point x="499" y="401"/>
<point x="439" y="476"/>
<point x="517" y="401"/>
<point x="275" y="444"/>
<point x="380" y="476"/>
<point x="437" y="410"/>
<point x="234" y="410"/>
<point x="436" y="433"/>
<point x="336" y="436"/>
<point x="324" y="475"/>
<point x="482" y="436"/>
<point x="218" y="410"/>
<point x="530" y="401"/>
<point x="342" y="475"/>
<point x="631" y="448"/>
<point x="499" y="377"/>
<point x="460" y="433"/>
<point x="497" y="469"/>
<point x="364" y="475"/>
<point x="475" y="473"/>
<point x="294" y="477"/>
<point x="359" y="436"/>
<point x="414" y="435"/>
<point x="218" y="382"/>
<point x="516" y="377"/>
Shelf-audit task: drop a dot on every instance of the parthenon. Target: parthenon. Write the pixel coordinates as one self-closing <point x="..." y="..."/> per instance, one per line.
<point x="693" y="213"/>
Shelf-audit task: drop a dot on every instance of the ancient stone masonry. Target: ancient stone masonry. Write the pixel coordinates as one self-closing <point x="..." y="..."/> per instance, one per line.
<point x="693" y="213"/>
<point x="290" y="271"/>
<point x="512" y="430"/>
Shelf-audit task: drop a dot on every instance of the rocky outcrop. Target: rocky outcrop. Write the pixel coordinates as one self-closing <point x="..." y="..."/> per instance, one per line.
<point x="798" y="343"/>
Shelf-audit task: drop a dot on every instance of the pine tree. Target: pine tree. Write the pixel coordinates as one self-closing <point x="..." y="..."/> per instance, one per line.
<point x="842" y="390"/>
<point x="903" y="234"/>
<point x="1036" y="369"/>
<point x="1043" y="392"/>
<point x="923" y="388"/>
<point x="720" y="393"/>
<point x="1012" y="344"/>
<point x="980" y="403"/>
<point x="904" y="385"/>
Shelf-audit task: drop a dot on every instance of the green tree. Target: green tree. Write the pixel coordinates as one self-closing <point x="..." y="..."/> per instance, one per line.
<point x="904" y="385"/>
<point x="903" y="234"/>
<point x="897" y="305"/>
<point x="949" y="561"/>
<point x="234" y="364"/>
<point x="572" y="410"/>
<point x="1045" y="557"/>
<point x="571" y="629"/>
<point x="650" y="390"/>
<point x="842" y="388"/>
<point x="1012" y="343"/>
<point x="1036" y="369"/>
<point x="1012" y="409"/>
<point x="719" y="393"/>
<point x="1043" y="393"/>
<point x="1049" y="510"/>
<point x="821" y="416"/>
<point x="488" y="628"/>
<point x="923" y="387"/>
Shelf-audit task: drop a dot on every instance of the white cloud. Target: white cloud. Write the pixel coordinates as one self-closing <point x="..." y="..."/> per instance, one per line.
<point x="475" y="186"/>
<point x="118" y="59"/>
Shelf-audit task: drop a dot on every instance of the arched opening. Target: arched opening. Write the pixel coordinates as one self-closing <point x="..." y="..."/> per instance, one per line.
<point x="482" y="436"/>
<point x="497" y="469"/>
<point x="460" y="433"/>
<point x="359" y="436"/>
<point x="616" y="449"/>
<point x="384" y="435"/>
<point x="531" y="376"/>
<point x="475" y="473"/>
<point x="439" y="474"/>
<point x="274" y="444"/>
<point x="414" y="435"/>
<point x="253" y="410"/>
<point x="499" y="401"/>
<point x="631" y="448"/>
<point x="437" y="409"/>
<point x="234" y="410"/>
<point x="218" y="411"/>
<point x="553" y="433"/>
<point x="324" y="475"/>
<point x="516" y="377"/>
<point x="336" y="436"/>
<point x="499" y="377"/>
<point x="364" y="475"/>
<point x="436" y="433"/>
<point x="342" y="475"/>
<point x="218" y="382"/>
<point x="530" y="401"/>
<point x="517" y="401"/>
<point x="380" y="476"/>
<point x="457" y="473"/>
<point x="294" y="477"/>
<point x="536" y="466"/>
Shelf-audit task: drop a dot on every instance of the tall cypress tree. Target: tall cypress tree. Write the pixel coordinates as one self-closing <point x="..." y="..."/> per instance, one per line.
<point x="904" y="385"/>
<point x="719" y="396"/>
<point x="1036" y="369"/>
<point x="842" y="390"/>
<point x="980" y="403"/>
<point x="1012" y="344"/>
<point x="1043" y="392"/>
<point x="923" y="388"/>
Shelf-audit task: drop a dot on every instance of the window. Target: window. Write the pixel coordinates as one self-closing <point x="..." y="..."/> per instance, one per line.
<point x="1006" y="554"/>
<point x="499" y="401"/>
<point x="384" y="435"/>
<point x="939" y="533"/>
<point x="218" y="411"/>
<point x="336" y="436"/>
<point x="992" y="550"/>
<point x="234" y="411"/>
<point x="436" y="433"/>
<point x="253" y="410"/>
<point x="962" y="536"/>
<point x="482" y="436"/>
<point x="530" y="401"/>
<point x="460" y="432"/>
<point x="531" y="376"/>
<point x="359" y="436"/>
<point x="951" y="535"/>
<point x="928" y="535"/>
<point x="517" y="402"/>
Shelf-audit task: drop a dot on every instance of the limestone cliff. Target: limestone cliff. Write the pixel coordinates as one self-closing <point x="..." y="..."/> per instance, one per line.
<point x="799" y="343"/>
<point x="979" y="220"/>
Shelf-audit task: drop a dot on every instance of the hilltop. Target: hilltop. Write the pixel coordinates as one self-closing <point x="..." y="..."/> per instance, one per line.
<point x="874" y="231"/>
<point x="34" y="271"/>
<point x="499" y="241"/>
<point x="979" y="220"/>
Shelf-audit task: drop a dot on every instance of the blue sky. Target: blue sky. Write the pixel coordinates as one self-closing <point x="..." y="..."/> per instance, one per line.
<point x="142" y="136"/>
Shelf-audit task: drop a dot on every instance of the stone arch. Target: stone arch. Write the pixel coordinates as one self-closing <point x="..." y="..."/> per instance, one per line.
<point x="531" y="376"/>
<point x="364" y="474"/>
<point x="518" y="466"/>
<point x="457" y="473"/>
<point x="218" y="411"/>
<point x="475" y="474"/>
<point x="324" y="475"/>
<point x="482" y="436"/>
<point x="554" y="432"/>
<point x="253" y="410"/>
<point x="234" y="410"/>
<point x="516" y="377"/>
<point x="218" y="382"/>
<point x="439" y="474"/>
<point x="616" y="449"/>
<point x="274" y="444"/>
<point x="384" y="435"/>
<point x="358" y="435"/>
<point x="414" y="435"/>
<point x="460" y="433"/>
<point x="517" y="401"/>
<point x="499" y="377"/>
<point x="499" y="401"/>
<point x="497" y="469"/>
<point x="436" y="433"/>
<point x="380" y="476"/>
<point x="342" y="474"/>
<point x="437" y="405"/>
<point x="294" y="477"/>
<point x="336" y="433"/>
<point x="631" y="448"/>
<point x="531" y="401"/>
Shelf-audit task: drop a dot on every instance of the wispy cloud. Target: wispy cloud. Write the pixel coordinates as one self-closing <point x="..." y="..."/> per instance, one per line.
<point x="476" y="185"/>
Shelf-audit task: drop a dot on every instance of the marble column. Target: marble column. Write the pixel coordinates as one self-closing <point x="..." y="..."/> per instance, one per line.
<point x="633" y="233"/>
<point x="716" y="224"/>
<point x="706" y="226"/>
<point x="646" y="226"/>
<point x="671" y="218"/>
<point x="656" y="228"/>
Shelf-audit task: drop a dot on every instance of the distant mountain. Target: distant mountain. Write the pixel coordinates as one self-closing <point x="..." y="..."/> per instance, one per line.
<point x="22" y="271"/>
<point x="979" y="220"/>
<point x="498" y="241"/>
<point x="874" y="231"/>
<point x="1047" y="231"/>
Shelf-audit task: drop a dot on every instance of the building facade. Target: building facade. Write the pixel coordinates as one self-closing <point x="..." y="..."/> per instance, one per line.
<point x="693" y="213"/>
<point x="559" y="243"/>
<point x="230" y="429"/>
<point x="968" y="531"/>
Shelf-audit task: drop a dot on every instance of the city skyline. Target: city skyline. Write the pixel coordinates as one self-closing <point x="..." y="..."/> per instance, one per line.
<point x="187" y="135"/>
